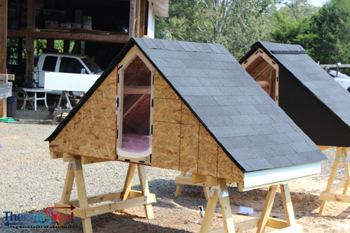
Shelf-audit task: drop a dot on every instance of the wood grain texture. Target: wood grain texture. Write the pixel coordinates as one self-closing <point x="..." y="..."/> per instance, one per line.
<point x="167" y="110"/>
<point x="162" y="90"/>
<point x="166" y="145"/>
<point x="187" y="116"/>
<point x="227" y="168"/>
<point x="208" y="154"/>
<point x="189" y="148"/>
<point x="91" y="132"/>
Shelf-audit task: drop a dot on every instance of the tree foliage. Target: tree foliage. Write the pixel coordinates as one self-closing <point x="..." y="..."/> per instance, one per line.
<point x="234" y="23"/>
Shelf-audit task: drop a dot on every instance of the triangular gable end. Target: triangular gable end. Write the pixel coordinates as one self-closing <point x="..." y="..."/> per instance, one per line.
<point x="179" y="140"/>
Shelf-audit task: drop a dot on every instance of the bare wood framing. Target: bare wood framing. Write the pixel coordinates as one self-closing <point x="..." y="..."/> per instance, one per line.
<point x="131" y="198"/>
<point x="330" y="193"/>
<point x="82" y="36"/>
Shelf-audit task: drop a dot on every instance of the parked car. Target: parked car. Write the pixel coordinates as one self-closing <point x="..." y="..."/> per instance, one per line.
<point x="342" y="79"/>
<point x="65" y="63"/>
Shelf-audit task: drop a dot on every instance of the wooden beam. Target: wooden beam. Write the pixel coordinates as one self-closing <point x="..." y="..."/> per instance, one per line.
<point x="209" y="212"/>
<point x="145" y="190"/>
<point x="133" y="18"/>
<point x="226" y="212"/>
<point x="30" y="39"/>
<point x="67" y="189"/>
<point x="267" y="208"/>
<point x="112" y="38"/>
<point x="3" y="48"/>
<point x="240" y="227"/>
<point x="56" y="155"/>
<point x="277" y="223"/>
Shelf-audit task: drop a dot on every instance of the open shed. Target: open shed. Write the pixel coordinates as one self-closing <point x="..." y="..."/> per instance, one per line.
<point x="189" y="107"/>
<point x="307" y="94"/>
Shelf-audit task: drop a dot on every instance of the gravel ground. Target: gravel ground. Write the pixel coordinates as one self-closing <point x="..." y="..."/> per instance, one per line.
<point x="30" y="181"/>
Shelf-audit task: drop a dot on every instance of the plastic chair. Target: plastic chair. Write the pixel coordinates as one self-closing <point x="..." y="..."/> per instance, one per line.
<point x="23" y="95"/>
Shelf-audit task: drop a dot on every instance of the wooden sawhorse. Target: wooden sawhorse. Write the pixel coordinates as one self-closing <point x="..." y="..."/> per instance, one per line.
<point x="128" y="198"/>
<point x="191" y="179"/>
<point x="220" y="193"/>
<point x="330" y="193"/>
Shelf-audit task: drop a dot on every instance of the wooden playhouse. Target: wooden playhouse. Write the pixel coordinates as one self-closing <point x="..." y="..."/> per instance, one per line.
<point x="310" y="97"/>
<point x="189" y="107"/>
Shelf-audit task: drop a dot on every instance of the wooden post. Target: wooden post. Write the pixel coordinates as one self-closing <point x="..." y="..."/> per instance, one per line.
<point x="128" y="182"/>
<point x="179" y="186"/>
<point x="145" y="190"/>
<point x="3" y="48"/>
<point x="287" y="204"/>
<point x="267" y="208"/>
<point x="133" y="17"/>
<point x="80" y="183"/>
<point x="331" y="177"/>
<point x="225" y="207"/>
<point x="30" y="40"/>
<point x="67" y="189"/>
<point x="209" y="212"/>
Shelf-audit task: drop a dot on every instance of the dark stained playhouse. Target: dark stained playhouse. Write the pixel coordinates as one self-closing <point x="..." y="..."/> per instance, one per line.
<point x="310" y="97"/>
<point x="189" y="107"/>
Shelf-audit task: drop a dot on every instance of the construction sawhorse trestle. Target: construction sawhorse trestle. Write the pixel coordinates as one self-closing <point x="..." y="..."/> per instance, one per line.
<point x="330" y="193"/>
<point x="220" y="193"/>
<point x="80" y="207"/>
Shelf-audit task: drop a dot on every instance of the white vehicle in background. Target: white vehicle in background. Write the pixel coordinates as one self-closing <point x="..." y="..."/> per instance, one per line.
<point x="69" y="72"/>
<point x="342" y="79"/>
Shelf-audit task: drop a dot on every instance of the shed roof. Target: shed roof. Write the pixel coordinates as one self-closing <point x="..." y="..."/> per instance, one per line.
<point x="249" y="126"/>
<point x="311" y="75"/>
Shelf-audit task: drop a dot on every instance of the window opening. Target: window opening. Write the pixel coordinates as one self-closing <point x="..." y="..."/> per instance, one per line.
<point x="50" y="63"/>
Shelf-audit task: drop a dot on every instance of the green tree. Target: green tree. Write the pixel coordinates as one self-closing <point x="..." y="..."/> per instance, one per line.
<point x="234" y="23"/>
<point x="332" y="36"/>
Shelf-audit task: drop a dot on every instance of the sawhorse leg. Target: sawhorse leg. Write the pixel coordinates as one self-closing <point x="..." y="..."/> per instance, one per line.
<point x="143" y="184"/>
<point x="179" y="186"/>
<point x="67" y="189"/>
<point x="331" y="177"/>
<point x="219" y="192"/>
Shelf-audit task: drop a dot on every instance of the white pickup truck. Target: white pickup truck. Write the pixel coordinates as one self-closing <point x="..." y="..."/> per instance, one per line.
<point x="68" y="72"/>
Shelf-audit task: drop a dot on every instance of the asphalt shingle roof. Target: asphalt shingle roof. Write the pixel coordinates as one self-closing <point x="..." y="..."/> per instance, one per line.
<point x="249" y="126"/>
<point x="312" y="76"/>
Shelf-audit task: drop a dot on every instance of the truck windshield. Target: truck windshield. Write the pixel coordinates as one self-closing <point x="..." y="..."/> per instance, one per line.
<point x="93" y="67"/>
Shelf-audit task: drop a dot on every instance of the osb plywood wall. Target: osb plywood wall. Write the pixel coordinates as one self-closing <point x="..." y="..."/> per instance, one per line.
<point x="180" y="142"/>
<point x="91" y="132"/>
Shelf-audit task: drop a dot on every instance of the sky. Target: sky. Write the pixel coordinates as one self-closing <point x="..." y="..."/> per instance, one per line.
<point x="317" y="2"/>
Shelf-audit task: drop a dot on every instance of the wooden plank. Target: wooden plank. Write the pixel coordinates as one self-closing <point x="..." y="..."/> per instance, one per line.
<point x="338" y="186"/>
<point x="276" y="223"/>
<point x="128" y="57"/>
<point x="80" y="184"/>
<point x="67" y="189"/>
<point x="334" y="197"/>
<point x="179" y="185"/>
<point x="138" y="23"/>
<point x="291" y="229"/>
<point x="56" y="155"/>
<point x="132" y="19"/>
<point x="240" y="227"/>
<point x="187" y="180"/>
<point x="107" y="208"/>
<point x="78" y="36"/>
<point x="136" y="90"/>
<point x="345" y="160"/>
<point x="145" y="190"/>
<point x="77" y="212"/>
<point x="287" y="204"/>
<point x="331" y="179"/>
<point x="88" y="160"/>
<point x="99" y="198"/>
<point x="3" y="48"/>
<point x="226" y="208"/>
<point x="267" y="208"/>
<point x="128" y="181"/>
<point x="68" y="157"/>
<point x="209" y="212"/>
<point x="196" y="178"/>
